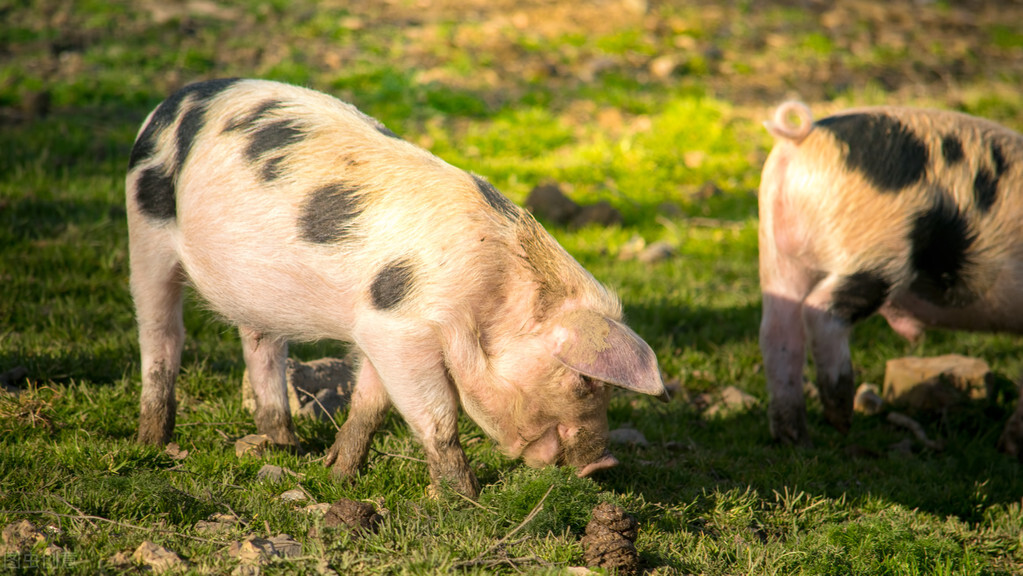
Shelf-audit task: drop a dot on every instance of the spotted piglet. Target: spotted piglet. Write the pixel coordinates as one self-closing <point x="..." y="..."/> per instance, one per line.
<point x="297" y="217"/>
<point x="915" y="214"/>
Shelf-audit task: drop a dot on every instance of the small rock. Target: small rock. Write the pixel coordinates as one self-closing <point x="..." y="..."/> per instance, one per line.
<point x="316" y="509"/>
<point x="656" y="252"/>
<point x="252" y="445"/>
<point x="357" y="516"/>
<point x="732" y="400"/>
<point x="286" y="546"/>
<point x="271" y="473"/>
<point x="548" y="202"/>
<point x="326" y="402"/>
<point x="216" y="523"/>
<point x="295" y="495"/>
<point x="627" y="435"/>
<point x="175" y="452"/>
<point x="157" y="558"/>
<point x="252" y="550"/>
<point x="306" y="379"/>
<point x="867" y="400"/>
<point x="632" y="249"/>
<point x="937" y="383"/>
<point x="20" y="536"/>
<point x="601" y="213"/>
<point x="610" y="540"/>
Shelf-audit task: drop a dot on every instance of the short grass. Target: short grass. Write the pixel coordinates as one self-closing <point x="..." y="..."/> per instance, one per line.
<point x="523" y="93"/>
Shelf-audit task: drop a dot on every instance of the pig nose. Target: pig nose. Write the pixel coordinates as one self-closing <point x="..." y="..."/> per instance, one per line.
<point x="606" y="460"/>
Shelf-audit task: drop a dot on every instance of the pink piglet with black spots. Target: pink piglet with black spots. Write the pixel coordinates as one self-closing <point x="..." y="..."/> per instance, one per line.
<point x="913" y="214"/>
<point x="296" y="217"/>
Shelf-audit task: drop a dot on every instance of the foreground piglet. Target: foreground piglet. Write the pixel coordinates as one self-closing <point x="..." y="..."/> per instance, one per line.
<point x="295" y="216"/>
<point x="916" y="214"/>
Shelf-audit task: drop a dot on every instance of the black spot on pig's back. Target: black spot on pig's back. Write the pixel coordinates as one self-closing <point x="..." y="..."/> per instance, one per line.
<point x="154" y="192"/>
<point x="880" y="147"/>
<point x="495" y="199"/>
<point x="328" y="212"/>
<point x="941" y="239"/>
<point x="987" y="178"/>
<point x="154" y="187"/>
<point x="392" y="284"/>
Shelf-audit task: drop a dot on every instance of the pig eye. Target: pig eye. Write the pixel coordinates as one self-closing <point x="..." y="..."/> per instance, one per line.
<point x="585" y="386"/>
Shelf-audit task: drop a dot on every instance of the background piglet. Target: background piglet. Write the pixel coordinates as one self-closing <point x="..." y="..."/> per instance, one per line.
<point x="915" y="214"/>
<point x="295" y="216"/>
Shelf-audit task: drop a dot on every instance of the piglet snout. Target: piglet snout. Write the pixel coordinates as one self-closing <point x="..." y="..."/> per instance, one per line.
<point x="606" y="460"/>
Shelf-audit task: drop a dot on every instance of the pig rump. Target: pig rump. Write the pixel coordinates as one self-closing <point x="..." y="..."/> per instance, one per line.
<point x="297" y="217"/>
<point x="913" y="214"/>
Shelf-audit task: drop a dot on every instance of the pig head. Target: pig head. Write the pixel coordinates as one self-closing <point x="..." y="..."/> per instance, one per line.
<point x="913" y="214"/>
<point x="295" y="216"/>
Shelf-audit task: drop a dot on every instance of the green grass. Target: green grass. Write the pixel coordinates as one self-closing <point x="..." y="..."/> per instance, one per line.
<point x="522" y="101"/>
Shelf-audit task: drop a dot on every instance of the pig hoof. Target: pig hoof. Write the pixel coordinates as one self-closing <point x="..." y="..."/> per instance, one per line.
<point x="470" y="489"/>
<point x="343" y="470"/>
<point x="155" y="433"/>
<point x="791" y="430"/>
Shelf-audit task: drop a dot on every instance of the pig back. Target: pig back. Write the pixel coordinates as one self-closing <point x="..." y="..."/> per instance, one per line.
<point x="295" y="212"/>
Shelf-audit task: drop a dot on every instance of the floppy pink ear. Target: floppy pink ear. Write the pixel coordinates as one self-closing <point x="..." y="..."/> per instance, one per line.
<point x="606" y="350"/>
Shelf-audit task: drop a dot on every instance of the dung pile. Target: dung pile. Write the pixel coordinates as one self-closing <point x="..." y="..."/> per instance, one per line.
<point x="610" y="540"/>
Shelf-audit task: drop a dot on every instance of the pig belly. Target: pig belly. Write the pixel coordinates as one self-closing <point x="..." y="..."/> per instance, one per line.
<point x="258" y="278"/>
<point x="909" y="316"/>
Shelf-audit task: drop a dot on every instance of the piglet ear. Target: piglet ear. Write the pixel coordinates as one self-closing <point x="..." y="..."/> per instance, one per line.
<point x="606" y="350"/>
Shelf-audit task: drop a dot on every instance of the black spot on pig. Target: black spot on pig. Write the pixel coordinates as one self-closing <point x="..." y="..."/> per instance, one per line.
<point x="154" y="191"/>
<point x="167" y="112"/>
<point x="327" y="213"/>
<point x="387" y="131"/>
<point x="985" y="182"/>
<point x="257" y="114"/>
<point x="881" y="148"/>
<point x="952" y="149"/>
<point x="271" y="169"/>
<point x="985" y="189"/>
<point x="391" y="285"/>
<point x="859" y="295"/>
<point x="941" y="239"/>
<point x="272" y="136"/>
<point x="495" y="199"/>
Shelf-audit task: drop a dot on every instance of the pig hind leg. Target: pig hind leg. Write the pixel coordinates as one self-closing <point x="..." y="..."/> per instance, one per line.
<point x="369" y="406"/>
<point x="829" y="312"/>
<point x="265" y="358"/>
<point x="783" y="344"/>
<point x="156" y="287"/>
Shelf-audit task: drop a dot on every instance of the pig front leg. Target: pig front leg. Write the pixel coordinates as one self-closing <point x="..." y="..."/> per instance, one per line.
<point x="829" y="313"/>
<point x="367" y="410"/>
<point x="157" y="293"/>
<point x="266" y="358"/>
<point x="411" y="368"/>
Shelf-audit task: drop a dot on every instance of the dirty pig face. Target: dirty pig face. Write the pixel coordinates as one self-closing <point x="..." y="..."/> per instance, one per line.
<point x="574" y="434"/>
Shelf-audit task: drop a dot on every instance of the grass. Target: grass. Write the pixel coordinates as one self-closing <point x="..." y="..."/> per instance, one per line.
<point x="523" y="94"/>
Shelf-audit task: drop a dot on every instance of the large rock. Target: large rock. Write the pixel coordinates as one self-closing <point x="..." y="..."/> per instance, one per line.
<point x="936" y="383"/>
<point x="335" y="375"/>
